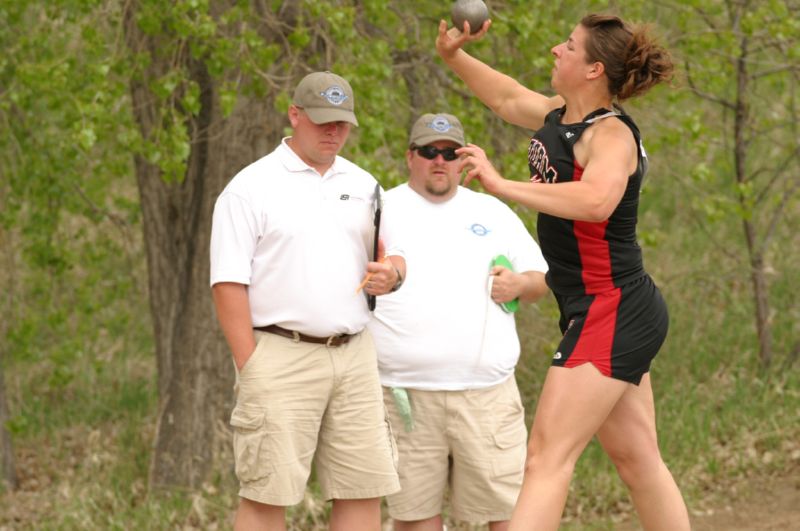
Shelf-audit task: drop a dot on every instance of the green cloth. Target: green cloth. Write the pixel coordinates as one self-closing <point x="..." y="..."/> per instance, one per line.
<point x="403" y="407"/>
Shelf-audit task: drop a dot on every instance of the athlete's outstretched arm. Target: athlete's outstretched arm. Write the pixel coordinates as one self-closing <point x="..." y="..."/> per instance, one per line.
<point x="504" y="95"/>
<point x="611" y="159"/>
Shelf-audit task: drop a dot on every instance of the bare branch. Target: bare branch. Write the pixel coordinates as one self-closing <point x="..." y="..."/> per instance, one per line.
<point x="777" y="174"/>
<point x="117" y="220"/>
<point x="704" y="227"/>
<point x="778" y="214"/>
<point x="710" y="97"/>
<point x="776" y="70"/>
<point x="706" y="18"/>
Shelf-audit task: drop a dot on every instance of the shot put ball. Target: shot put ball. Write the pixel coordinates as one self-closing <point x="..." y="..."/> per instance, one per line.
<point x="473" y="11"/>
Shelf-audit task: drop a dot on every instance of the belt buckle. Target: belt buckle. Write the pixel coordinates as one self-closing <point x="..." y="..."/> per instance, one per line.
<point x="295" y="336"/>
<point x="330" y="341"/>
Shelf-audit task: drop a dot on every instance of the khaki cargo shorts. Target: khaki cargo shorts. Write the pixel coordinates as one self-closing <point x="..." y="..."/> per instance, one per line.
<point x="299" y="401"/>
<point x="473" y="442"/>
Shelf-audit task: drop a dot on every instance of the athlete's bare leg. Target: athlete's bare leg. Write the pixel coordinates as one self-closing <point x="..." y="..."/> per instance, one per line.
<point x="629" y="438"/>
<point x="573" y="405"/>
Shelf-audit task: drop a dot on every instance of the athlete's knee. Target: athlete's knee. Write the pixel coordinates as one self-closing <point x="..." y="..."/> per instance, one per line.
<point x="540" y="466"/>
<point x="635" y="465"/>
<point x="560" y="438"/>
<point x="551" y="457"/>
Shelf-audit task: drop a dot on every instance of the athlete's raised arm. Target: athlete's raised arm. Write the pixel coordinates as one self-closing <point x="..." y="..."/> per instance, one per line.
<point x="504" y="95"/>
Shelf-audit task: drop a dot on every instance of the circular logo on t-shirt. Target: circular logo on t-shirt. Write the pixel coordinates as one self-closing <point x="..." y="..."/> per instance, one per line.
<point x="479" y="229"/>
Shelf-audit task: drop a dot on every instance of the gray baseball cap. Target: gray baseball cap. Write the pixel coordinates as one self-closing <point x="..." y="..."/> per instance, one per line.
<point x="432" y="127"/>
<point x="325" y="97"/>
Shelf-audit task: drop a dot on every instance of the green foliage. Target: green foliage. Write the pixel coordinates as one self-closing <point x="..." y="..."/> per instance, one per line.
<point x="64" y="152"/>
<point x="76" y="335"/>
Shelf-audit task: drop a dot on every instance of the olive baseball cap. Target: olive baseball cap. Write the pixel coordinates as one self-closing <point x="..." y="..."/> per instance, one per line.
<point x="325" y="97"/>
<point x="432" y="127"/>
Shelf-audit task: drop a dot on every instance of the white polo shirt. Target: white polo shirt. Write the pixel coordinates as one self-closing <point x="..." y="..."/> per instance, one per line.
<point x="300" y="241"/>
<point x="442" y="331"/>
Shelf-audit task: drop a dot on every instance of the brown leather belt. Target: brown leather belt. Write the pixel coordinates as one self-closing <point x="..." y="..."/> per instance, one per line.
<point x="332" y="341"/>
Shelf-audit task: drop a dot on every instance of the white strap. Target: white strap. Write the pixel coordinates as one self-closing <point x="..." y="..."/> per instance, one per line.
<point x="606" y="115"/>
<point x="489" y="301"/>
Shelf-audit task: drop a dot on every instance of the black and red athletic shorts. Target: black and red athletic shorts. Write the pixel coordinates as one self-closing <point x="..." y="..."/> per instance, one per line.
<point x="619" y="331"/>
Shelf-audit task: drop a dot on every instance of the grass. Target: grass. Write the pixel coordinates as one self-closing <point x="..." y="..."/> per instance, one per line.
<point x="81" y="385"/>
<point x="83" y="448"/>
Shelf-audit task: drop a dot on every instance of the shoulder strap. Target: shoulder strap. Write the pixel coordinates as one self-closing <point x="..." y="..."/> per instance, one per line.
<point x="601" y="114"/>
<point x="643" y="162"/>
<point x="598" y="117"/>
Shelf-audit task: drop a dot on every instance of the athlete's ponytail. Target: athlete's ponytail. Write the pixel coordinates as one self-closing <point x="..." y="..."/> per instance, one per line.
<point x="633" y="62"/>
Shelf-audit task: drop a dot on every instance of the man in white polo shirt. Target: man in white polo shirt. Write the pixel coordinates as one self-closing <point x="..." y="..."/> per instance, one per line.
<point x="290" y="244"/>
<point x="447" y="348"/>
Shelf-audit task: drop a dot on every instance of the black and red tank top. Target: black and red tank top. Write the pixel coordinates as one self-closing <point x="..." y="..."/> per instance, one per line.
<point x="585" y="257"/>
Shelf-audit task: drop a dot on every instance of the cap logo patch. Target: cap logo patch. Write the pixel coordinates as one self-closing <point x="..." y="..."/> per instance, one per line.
<point x="334" y="94"/>
<point x="440" y="124"/>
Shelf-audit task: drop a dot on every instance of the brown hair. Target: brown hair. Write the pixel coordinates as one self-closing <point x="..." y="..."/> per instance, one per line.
<point x="633" y="62"/>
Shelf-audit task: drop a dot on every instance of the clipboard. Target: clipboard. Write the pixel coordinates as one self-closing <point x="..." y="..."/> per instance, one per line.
<point x="371" y="299"/>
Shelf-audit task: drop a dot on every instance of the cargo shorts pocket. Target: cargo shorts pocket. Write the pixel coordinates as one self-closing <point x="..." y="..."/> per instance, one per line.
<point x="392" y="442"/>
<point x="250" y="448"/>
<point x="512" y="443"/>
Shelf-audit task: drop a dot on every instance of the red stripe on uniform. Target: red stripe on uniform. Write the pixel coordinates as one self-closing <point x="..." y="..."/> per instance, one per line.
<point x="597" y="335"/>
<point x="593" y="250"/>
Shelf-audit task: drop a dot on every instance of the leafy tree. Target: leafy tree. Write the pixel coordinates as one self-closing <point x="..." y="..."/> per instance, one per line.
<point x="742" y="58"/>
<point x="61" y="205"/>
<point x="210" y="84"/>
<point x="184" y="94"/>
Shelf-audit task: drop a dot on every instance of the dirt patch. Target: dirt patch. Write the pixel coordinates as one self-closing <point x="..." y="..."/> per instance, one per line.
<point x="762" y="503"/>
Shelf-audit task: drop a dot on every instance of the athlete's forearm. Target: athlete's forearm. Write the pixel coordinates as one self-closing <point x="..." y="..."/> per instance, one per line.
<point x="581" y="201"/>
<point x="493" y="88"/>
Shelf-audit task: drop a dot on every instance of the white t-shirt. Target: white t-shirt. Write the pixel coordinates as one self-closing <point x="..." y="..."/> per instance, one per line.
<point x="441" y="330"/>
<point x="300" y="241"/>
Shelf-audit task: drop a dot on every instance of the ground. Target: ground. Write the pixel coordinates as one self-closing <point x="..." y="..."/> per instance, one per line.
<point x="759" y="503"/>
<point x="765" y="503"/>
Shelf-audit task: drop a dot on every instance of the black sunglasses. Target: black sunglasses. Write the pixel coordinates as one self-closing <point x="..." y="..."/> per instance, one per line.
<point x="430" y="152"/>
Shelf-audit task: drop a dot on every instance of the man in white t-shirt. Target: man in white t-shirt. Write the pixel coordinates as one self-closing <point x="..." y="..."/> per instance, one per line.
<point x="291" y="241"/>
<point x="447" y="342"/>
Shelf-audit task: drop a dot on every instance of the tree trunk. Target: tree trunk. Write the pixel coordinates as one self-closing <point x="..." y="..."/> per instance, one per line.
<point x="760" y="296"/>
<point x="195" y="372"/>
<point x="754" y="249"/>
<point x="8" y="470"/>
